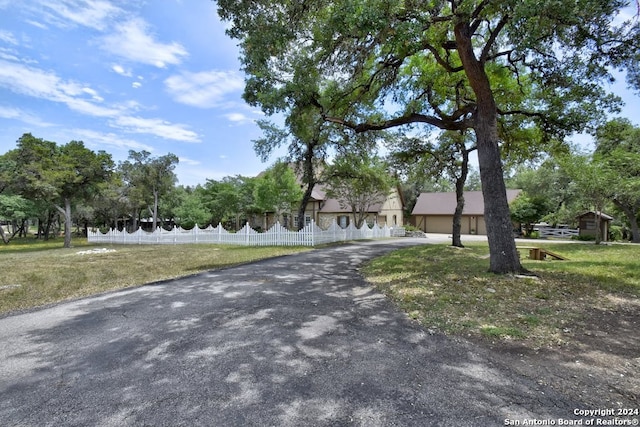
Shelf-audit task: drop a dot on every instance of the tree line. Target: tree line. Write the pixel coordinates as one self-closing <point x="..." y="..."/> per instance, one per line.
<point x="59" y="186"/>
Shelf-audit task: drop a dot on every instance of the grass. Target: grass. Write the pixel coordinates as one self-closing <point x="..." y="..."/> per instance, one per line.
<point x="37" y="273"/>
<point x="450" y="290"/>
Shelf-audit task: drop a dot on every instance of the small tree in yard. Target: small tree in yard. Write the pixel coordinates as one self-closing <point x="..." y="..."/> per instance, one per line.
<point x="277" y="190"/>
<point x="527" y="210"/>
<point x="593" y="181"/>
<point x="358" y="182"/>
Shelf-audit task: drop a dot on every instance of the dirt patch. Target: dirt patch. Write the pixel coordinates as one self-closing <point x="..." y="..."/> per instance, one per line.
<point x="599" y="364"/>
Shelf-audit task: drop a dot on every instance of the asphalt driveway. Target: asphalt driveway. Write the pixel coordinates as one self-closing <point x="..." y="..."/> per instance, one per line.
<point x="293" y="341"/>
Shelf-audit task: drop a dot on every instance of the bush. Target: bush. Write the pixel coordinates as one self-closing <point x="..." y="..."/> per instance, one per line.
<point x="584" y="238"/>
<point x="615" y="233"/>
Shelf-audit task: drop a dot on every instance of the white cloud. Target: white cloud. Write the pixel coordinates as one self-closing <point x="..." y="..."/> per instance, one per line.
<point x="99" y="140"/>
<point x="204" y="89"/>
<point x="119" y="69"/>
<point x="23" y="116"/>
<point x="7" y="37"/>
<point x="95" y="14"/>
<point x="48" y="86"/>
<point x="136" y="85"/>
<point x="157" y="127"/>
<point x="37" y="24"/>
<point x="238" y="118"/>
<point x="131" y="41"/>
<point x="188" y="161"/>
<point x="41" y="84"/>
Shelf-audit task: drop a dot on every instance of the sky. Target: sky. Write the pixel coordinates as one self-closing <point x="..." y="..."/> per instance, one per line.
<point x="154" y="75"/>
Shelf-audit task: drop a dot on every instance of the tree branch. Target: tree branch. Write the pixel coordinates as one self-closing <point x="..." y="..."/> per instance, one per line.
<point x="493" y="37"/>
<point x="399" y="121"/>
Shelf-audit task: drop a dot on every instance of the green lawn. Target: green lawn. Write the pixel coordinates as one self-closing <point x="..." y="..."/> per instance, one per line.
<point x="36" y="273"/>
<point x="450" y="290"/>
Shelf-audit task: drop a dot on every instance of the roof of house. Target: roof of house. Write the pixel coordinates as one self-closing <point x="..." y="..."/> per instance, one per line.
<point x="445" y="203"/>
<point x="602" y="215"/>
<point x="333" y="206"/>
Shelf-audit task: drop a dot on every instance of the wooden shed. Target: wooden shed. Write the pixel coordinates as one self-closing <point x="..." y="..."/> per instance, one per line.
<point x="587" y="224"/>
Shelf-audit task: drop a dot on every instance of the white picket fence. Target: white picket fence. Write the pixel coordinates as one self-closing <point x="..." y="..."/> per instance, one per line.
<point x="277" y="235"/>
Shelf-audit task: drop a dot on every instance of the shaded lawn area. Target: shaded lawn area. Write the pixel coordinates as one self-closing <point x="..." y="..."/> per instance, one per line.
<point x="450" y="290"/>
<point x="36" y="273"/>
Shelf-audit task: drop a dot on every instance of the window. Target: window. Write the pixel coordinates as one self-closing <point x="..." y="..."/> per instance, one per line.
<point x="307" y="220"/>
<point x="343" y="221"/>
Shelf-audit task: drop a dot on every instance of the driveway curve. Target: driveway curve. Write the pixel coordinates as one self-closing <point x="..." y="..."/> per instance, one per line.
<point x="292" y="341"/>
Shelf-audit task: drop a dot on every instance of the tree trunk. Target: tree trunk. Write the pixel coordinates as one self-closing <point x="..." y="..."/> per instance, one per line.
<point x="155" y="210"/>
<point x="502" y="247"/>
<point x="66" y="212"/>
<point x="309" y="178"/>
<point x="4" y="237"/>
<point x="456" y="239"/>
<point x="598" y="226"/>
<point x="47" y="229"/>
<point x="633" y="221"/>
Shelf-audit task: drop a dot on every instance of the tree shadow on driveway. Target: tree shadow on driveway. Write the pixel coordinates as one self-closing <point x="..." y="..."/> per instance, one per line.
<point x="298" y="340"/>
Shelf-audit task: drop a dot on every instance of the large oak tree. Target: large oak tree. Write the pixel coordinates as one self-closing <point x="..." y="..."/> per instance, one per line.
<point x="59" y="175"/>
<point x="376" y="64"/>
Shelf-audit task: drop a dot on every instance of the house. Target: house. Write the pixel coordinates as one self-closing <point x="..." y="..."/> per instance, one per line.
<point x="323" y="210"/>
<point x="433" y="212"/>
<point x="587" y="224"/>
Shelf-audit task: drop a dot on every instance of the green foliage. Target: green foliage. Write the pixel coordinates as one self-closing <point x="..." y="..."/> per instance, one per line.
<point x="615" y="233"/>
<point x="148" y="178"/>
<point x="58" y="176"/>
<point x="277" y="190"/>
<point x="229" y="199"/>
<point x="528" y="210"/>
<point x="191" y="212"/>
<point x="15" y="208"/>
<point x="618" y="153"/>
<point x="358" y="181"/>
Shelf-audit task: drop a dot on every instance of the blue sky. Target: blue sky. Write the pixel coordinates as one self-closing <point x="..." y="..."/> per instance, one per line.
<point x="159" y="76"/>
<point x="156" y="75"/>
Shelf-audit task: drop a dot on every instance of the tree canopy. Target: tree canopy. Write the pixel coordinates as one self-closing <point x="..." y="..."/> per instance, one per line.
<point x="58" y="175"/>
<point x="618" y="152"/>
<point x="453" y="64"/>
<point x="359" y="182"/>
<point x="149" y="177"/>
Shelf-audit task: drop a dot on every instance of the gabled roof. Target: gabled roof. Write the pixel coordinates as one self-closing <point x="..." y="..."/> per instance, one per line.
<point x="445" y="203"/>
<point x="594" y="213"/>
<point x="333" y="206"/>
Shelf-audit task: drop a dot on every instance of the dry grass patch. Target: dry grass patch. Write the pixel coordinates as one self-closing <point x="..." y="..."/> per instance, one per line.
<point x="36" y="274"/>
<point x="450" y="290"/>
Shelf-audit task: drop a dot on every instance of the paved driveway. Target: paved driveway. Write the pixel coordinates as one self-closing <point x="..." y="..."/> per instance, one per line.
<point x="298" y="340"/>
